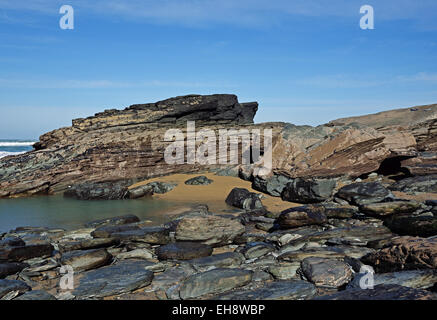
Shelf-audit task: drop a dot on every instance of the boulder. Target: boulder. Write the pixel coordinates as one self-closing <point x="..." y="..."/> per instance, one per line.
<point x="272" y="185"/>
<point x="183" y="251"/>
<point x="381" y="292"/>
<point x="98" y="191"/>
<point x="214" y="282"/>
<point x="86" y="244"/>
<point x="301" y="216"/>
<point x="412" y="225"/>
<point x="12" y="286"/>
<point x="418" y="279"/>
<point x="221" y="260"/>
<point x="427" y="183"/>
<point x="160" y="187"/>
<point x="36" y="295"/>
<point x="120" y="220"/>
<point x="244" y="199"/>
<point x="83" y="260"/>
<point x="209" y="229"/>
<point x="330" y="273"/>
<point x="135" y="254"/>
<point x="388" y="208"/>
<point x="277" y="290"/>
<point x="311" y="190"/>
<point x="123" y="277"/>
<point x="257" y="249"/>
<point x="107" y="231"/>
<point x="151" y="235"/>
<point x="404" y="253"/>
<point x="10" y="268"/>
<point x="21" y="253"/>
<point x="199" y="181"/>
<point x="140" y="191"/>
<point x="362" y="193"/>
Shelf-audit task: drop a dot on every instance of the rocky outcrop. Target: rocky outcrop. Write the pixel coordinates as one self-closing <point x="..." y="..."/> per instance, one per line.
<point x="128" y="146"/>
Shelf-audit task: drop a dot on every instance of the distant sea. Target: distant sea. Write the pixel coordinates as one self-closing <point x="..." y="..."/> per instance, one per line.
<point x="12" y="147"/>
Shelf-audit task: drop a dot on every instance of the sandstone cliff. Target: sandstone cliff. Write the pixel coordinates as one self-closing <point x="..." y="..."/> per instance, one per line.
<point x="129" y="144"/>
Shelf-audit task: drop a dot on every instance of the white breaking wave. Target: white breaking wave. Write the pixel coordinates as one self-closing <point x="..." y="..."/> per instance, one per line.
<point x="5" y="154"/>
<point x="15" y="144"/>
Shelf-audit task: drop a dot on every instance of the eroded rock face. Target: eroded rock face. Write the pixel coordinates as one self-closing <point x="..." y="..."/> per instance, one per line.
<point x="128" y="146"/>
<point x="405" y="253"/>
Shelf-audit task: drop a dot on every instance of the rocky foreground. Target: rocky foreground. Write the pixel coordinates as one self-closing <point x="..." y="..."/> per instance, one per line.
<point x="314" y="251"/>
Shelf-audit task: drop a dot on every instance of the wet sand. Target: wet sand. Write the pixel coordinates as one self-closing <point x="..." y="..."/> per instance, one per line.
<point x="213" y="195"/>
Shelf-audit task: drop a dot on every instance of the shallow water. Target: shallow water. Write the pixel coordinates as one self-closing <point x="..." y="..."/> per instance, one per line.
<point x="59" y="212"/>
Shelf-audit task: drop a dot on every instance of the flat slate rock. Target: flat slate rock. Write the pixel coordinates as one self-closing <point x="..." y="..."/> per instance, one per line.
<point x="129" y="218"/>
<point x="183" y="251"/>
<point x="418" y="279"/>
<point x="412" y="226"/>
<point x="381" y="292"/>
<point x="330" y="273"/>
<point x="214" y="282"/>
<point x="82" y="260"/>
<point x="221" y="260"/>
<point x="151" y="235"/>
<point x="87" y="244"/>
<point x="21" y="253"/>
<point x="123" y="277"/>
<point x="257" y="249"/>
<point x="7" y="286"/>
<point x="362" y="193"/>
<point x="278" y="290"/>
<point x="10" y="268"/>
<point x="36" y="295"/>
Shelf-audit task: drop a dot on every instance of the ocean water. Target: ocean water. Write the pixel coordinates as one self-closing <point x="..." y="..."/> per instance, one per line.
<point x="59" y="212"/>
<point x="13" y="147"/>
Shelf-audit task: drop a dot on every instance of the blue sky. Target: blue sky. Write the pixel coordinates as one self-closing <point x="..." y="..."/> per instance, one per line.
<point x="304" y="61"/>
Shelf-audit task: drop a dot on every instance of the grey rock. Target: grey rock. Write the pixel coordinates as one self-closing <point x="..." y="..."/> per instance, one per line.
<point x="257" y="249"/>
<point x="10" y="268"/>
<point x="384" y="209"/>
<point x="412" y="226"/>
<point x="22" y="253"/>
<point x="140" y="191"/>
<point x="183" y="251"/>
<point x="273" y="185"/>
<point x="161" y="187"/>
<point x="284" y="271"/>
<point x="98" y="191"/>
<point x="426" y="183"/>
<point x="214" y="282"/>
<point x="278" y="290"/>
<point x="87" y="244"/>
<point x="301" y="216"/>
<point x="123" y="277"/>
<point x="8" y="286"/>
<point x="36" y="295"/>
<point x="120" y="220"/>
<point x="308" y="190"/>
<point x="381" y="292"/>
<point x="221" y="260"/>
<point x="151" y="235"/>
<point x="330" y="273"/>
<point x="83" y="260"/>
<point x="200" y="180"/>
<point x="364" y="193"/>
<point x="418" y="279"/>
<point x="244" y="199"/>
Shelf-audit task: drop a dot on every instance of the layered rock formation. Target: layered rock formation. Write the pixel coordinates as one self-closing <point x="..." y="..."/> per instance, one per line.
<point x="129" y="144"/>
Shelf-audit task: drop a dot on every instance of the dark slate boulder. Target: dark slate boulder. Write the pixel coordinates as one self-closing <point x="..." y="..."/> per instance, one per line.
<point x="278" y="290"/>
<point x="83" y="260"/>
<point x="140" y="191"/>
<point x="427" y="183"/>
<point x="412" y="225"/>
<point x="183" y="251"/>
<point x="151" y="235"/>
<point x="36" y="295"/>
<point x="8" y="286"/>
<point x="21" y="253"/>
<point x="244" y="199"/>
<point x="123" y="277"/>
<point x="129" y="218"/>
<point x="301" y="216"/>
<point x="308" y="190"/>
<point x="98" y="191"/>
<point x="362" y="193"/>
<point x="10" y="268"/>
<point x="273" y="185"/>
<point x="381" y="292"/>
<point x="200" y="180"/>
